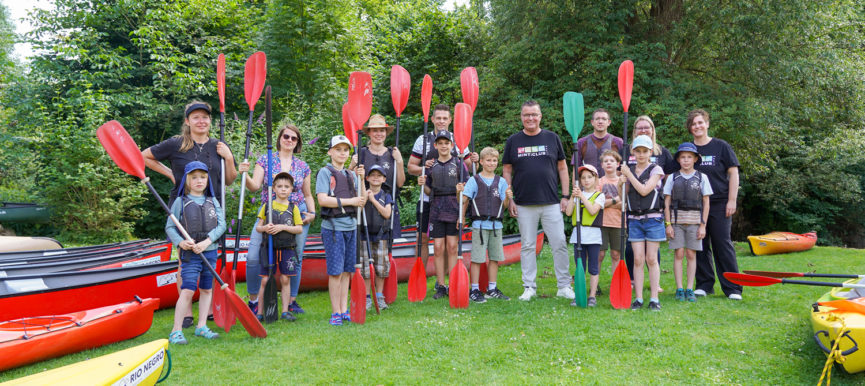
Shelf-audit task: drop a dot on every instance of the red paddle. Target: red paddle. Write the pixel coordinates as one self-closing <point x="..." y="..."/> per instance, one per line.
<point x="761" y="281"/>
<point x="125" y="153"/>
<point x="358" y="287"/>
<point x="400" y="87"/>
<point x="620" y="288"/>
<point x="417" y="278"/>
<point x="459" y="280"/>
<point x="360" y="97"/>
<point x="391" y="285"/>
<point x="223" y="315"/>
<point x="800" y="274"/>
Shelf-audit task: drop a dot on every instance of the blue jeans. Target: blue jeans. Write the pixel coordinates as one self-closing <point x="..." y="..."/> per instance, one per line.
<point x="253" y="267"/>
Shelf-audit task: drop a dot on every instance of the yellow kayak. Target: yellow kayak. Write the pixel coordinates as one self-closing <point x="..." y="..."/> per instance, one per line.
<point x="849" y="325"/>
<point x="139" y="365"/>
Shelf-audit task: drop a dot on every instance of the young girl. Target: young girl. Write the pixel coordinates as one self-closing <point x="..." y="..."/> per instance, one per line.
<point x="645" y="219"/>
<point x="591" y="206"/>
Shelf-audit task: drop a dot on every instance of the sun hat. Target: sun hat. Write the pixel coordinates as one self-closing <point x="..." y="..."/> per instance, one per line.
<point x="377" y="121"/>
<point x="691" y="148"/>
<point x="589" y="168"/>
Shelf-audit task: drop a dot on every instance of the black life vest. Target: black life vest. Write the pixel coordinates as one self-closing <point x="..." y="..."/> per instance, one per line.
<point x="199" y="220"/>
<point x="686" y="194"/>
<point x="283" y="240"/>
<point x="487" y="204"/>
<point x="651" y="203"/>
<point x="386" y="161"/>
<point x="376" y="224"/>
<point x="342" y="186"/>
<point x="445" y="176"/>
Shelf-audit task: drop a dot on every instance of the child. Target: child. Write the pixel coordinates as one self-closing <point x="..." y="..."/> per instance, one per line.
<point x="489" y="194"/>
<point x="377" y="213"/>
<point x="440" y="183"/>
<point x="204" y="221"/>
<point x="645" y="219"/>
<point x="283" y="224"/>
<point x="688" y="197"/>
<point x="591" y="218"/>
<point x="611" y="229"/>
<point x="336" y="191"/>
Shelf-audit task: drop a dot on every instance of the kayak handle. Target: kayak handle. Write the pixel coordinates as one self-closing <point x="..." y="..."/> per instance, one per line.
<point x="827" y="350"/>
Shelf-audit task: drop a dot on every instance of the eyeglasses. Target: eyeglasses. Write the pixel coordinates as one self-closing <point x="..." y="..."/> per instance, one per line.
<point x="531" y="115"/>
<point x="289" y="137"/>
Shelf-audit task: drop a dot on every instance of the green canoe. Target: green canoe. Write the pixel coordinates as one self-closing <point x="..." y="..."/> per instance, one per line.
<point x="23" y="212"/>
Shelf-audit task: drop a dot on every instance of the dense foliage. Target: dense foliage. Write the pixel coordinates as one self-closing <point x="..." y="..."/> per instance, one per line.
<point x="783" y="80"/>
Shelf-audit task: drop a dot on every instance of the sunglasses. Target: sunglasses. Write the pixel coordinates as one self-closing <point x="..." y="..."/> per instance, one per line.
<point x="289" y="137"/>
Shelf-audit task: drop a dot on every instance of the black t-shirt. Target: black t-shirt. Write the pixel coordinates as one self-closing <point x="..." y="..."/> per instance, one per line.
<point x="534" y="161"/>
<point x="206" y="153"/>
<point x="718" y="156"/>
<point x="664" y="160"/>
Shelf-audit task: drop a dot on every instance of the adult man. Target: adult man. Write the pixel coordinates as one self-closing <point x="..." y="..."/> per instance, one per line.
<point x="593" y="145"/>
<point x="424" y="147"/>
<point x="533" y="165"/>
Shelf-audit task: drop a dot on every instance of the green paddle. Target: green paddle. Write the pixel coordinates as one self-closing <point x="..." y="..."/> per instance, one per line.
<point x="572" y="106"/>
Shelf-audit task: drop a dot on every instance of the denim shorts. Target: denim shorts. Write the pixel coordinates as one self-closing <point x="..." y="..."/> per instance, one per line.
<point x="340" y="251"/>
<point x="194" y="273"/>
<point x="647" y="229"/>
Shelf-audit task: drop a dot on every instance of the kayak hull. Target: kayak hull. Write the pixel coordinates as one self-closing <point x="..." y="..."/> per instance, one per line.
<point x="21" y="243"/>
<point x="23" y="212"/>
<point x="781" y="242"/>
<point x="828" y="326"/>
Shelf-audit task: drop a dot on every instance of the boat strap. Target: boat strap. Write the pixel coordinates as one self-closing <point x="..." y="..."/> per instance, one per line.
<point x="835" y="354"/>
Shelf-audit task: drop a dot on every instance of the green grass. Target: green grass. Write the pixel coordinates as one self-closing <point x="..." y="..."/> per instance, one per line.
<point x="764" y="339"/>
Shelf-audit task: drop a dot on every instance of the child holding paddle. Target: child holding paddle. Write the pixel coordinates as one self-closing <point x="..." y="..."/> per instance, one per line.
<point x="335" y="190"/>
<point x="611" y="228"/>
<point x="686" y="208"/>
<point x="489" y="194"/>
<point x="591" y="206"/>
<point x="285" y="224"/>
<point x="378" y="210"/>
<point x="200" y="214"/>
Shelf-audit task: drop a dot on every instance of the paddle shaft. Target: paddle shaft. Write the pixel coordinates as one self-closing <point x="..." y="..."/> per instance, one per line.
<point x="421" y="195"/>
<point x="624" y="186"/>
<point x="371" y="263"/>
<point x="242" y="194"/>
<point x="822" y="283"/>
<point x="800" y="274"/>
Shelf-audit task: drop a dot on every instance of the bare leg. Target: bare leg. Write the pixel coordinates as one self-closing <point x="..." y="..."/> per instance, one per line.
<point x="184" y="303"/>
<point x="593" y="285"/>
<point x="261" y="295"/>
<point x="692" y="266"/>
<point x="285" y="281"/>
<point x="493" y="270"/>
<point x="654" y="268"/>
<point x="343" y="301"/>
<point x="452" y="242"/>
<point x="439" y="250"/>
<point x="615" y="257"/>
<point x="475" y="272"/>
<point x="334" y="286"/>
<point x="639" y="260"/>
<point x="204" y="299"/>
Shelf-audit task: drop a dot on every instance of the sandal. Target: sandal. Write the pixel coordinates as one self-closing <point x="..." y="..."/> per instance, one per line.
<point x="288" y="316"/>
<point x="335" y="320"/>
<point x="205" y="333"/>
<point x="346" y="317"/>
<point x="177" y="337"/>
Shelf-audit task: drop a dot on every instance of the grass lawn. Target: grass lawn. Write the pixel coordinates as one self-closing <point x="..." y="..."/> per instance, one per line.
<point x="764" y="339"/>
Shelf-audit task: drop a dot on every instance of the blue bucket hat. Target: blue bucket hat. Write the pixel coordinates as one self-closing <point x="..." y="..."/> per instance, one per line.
<point x="376" y="168"/>
<point x="190" y="167"/>
<point x="689" y="147"/>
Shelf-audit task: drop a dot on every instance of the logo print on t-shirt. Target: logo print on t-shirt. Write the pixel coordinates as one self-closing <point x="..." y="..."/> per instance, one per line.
<point x="708" y="160"/>
<point x="532" y="151"/>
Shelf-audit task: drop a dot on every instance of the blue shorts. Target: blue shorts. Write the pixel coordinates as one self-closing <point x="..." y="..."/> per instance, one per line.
<point x="285" y="259"/>
<point x="340" y="250"/>
<point x="192" y="271"/>
<point x="647" y="229"/>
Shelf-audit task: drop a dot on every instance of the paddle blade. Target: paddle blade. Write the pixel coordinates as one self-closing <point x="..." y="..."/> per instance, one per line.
<point x="417" y="282"/>
<point x="372" y="292"/>
<point x="483" y="278"/>
<point x="247" y="318"/>
<point x="775" y="274"/>
<point x="223" y="314"/>
<point x="400" y="87"/>
<point x="358" y="298"/>
<point x="580" y="284"/>
<point x="458" y="294"/>
<point x="391" y="285"/>
<point x="750" y="280"/>
<point x="469" y="86"/>
<point x="462" y="126"/>
<point x="626" y="83"/>
<point x="270" y="301"/>
<point x="348" y="126"/>
<point x="254" y="74"/>
<point x="426" y="96"/>
<point x="121" y="148"/>
<point x="360" y="97"/>
<point x="575" y="116"/>
<point x="220" y="81"/>
<point x="846" y="305"/>
<point x="620" y="289"/>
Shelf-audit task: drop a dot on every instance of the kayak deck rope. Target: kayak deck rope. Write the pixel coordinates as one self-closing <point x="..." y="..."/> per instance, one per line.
<point x="835" y="353"/>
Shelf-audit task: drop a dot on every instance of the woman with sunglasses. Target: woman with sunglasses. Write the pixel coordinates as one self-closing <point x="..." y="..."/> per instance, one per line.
<point x="288" y="144"/>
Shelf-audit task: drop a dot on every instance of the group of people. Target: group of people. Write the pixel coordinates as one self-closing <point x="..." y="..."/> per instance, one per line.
<point x="688" y="198"/>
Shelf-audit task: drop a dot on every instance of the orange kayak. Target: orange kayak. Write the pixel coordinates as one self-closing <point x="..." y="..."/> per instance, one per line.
<point x="33" y="339"/>
<point x="781" y="242"/>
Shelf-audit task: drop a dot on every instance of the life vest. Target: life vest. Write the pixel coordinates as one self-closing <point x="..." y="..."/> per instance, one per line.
<point x="283" y="240"/>
<point x="641" y="205"/>
<point x="386" y="161"/>
<point x="375" y="223"/>
<point x="487" y="204"/>
<point x="444" y="177"/>
<point x="199" y="220"/>
<point x="341" y="186"/>
<point x="592" y="154"/>
<point x="686" y="194"/>
<point x="587" y="219"/>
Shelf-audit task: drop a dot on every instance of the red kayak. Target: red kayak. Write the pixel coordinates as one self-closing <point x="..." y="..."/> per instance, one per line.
<point x="73" y="251"/>
<point x="99" y="261"/>
<point x="33" y="339"/>
<point x="157" y="245"/>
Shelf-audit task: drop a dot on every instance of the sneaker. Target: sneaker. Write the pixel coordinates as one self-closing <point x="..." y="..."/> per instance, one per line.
<point x="188" y="321"/>
<point x="345" y="317"/>
<point x="441" y="292"/>
<point x="566" y="292"/>
<point x="699" y="293"/>
<point x="599" y="292"/>
<point x="573" y="303"/>
<point x="288" y="316"/>
<point x="636" y="305"/>
<point x="205" y="333"/>
<point x="253" y="307"/>
<point x="654" y="306"/>
<point x="496" y="294"/>
<point x="177" y="337"/>
<point x="335" y="319"/>
<point x="680" y="294"/>
<point x="735" y="296"/>
<point x="476" y="296"/>
<point x="528" y="294"/>
<point x="689" y="294"/>
<point x="368" y="303"/>
<point x="591" y="302"/>
<point x="260" y="317"/>
<point x="382" y="305"/>
<point x="294" y="308"/>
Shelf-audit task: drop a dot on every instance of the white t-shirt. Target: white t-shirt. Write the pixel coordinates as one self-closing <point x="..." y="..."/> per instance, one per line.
<point x="588" y="235"/>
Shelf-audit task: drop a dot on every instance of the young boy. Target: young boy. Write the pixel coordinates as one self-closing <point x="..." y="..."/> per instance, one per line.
<point x="204" y="220"/>
<point x="336" y="191"/>
<point x="377" y="214"/>
<point x="489" y="195"/>
<point x="591" y="201"/>
<point x="440" y="183"/>
<point x="611" y="229"/>
<point x="283" y="224"/>
<point x="686" y="209"/>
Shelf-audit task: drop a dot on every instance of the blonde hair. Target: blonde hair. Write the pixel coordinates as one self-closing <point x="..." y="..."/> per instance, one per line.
<point x="656" y="149"/>
<point x="297" y="144"/>
<point x="186" y="131"/>
<point x="611" y="153"/>
<point x="489" y="152"/>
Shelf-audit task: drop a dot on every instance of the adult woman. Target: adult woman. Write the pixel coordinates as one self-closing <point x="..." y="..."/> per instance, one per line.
<point x="288" y="143"/>
<point x="389" y="158"/>
<point x="721" y="166"/>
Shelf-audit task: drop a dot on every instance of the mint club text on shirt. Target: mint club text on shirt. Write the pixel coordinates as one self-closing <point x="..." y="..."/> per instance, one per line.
<point x="532" y="151"/>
